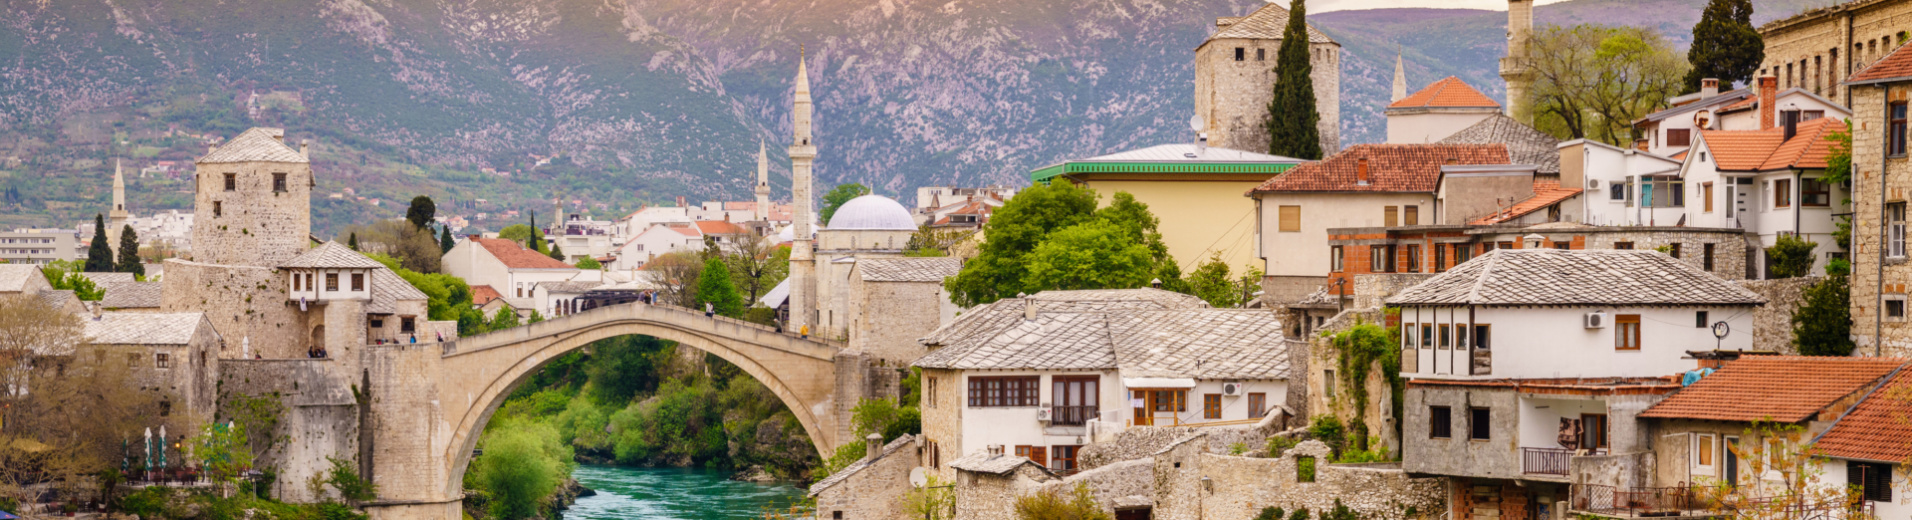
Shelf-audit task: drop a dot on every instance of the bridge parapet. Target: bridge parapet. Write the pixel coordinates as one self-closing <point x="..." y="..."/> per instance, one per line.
<point x="687" y="319"/>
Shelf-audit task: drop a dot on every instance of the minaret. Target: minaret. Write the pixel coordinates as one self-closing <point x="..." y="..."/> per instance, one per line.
<point x="1516" y="69"/>
<point x="763" y="184"/>
<point x="116" y="219"/>
<point x="803" y="273"/>
<point x="1400" y="80"/>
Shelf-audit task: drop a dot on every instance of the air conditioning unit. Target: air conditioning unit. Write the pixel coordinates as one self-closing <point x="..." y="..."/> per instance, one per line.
<point x="1593" y="184"/>
<point x="1043" y="414"/>
<point x="1596" y="320"/>
<point x="1231" y="389"/>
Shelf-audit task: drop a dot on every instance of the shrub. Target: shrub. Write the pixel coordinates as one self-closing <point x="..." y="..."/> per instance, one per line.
<point x="1299" y="514"/>
<point x="1050" y="505"/>
<point x="1279" y="445"/>
<point x="1329" y="431"/>
<point x="1790" y="257"/>
<point x="1272" y="513"/>
<point x="1823" y="326"/>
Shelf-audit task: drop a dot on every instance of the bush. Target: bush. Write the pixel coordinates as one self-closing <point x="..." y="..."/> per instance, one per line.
<point x="1272" y="513"/>
<point x="1790" y="257"/>
<point x="1279" y="445"/>
<point x="1329" y="431"/>
<point x="1823" y="326"/>
<point x="883" y="416"/>
<point x="522" y="464"/>
<point x="1050" y="505"/>
<point x="1299" y="514"/>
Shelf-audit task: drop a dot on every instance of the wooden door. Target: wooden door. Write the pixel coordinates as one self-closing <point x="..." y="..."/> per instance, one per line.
<point x="1134" y="514"/>
<point x="1039" y="455"/>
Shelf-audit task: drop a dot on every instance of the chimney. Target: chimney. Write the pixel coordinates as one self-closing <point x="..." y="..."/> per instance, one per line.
<point x="1201" y="143"/>
<point x="1768" y="90"/>
<point x="680" y="202"/>
<point x="1028" y="309"/>
<point x="1709" y="87"/>
<point x="1534" y="241"/>
<point x="1790" y="121"/>
<point x="1156" y="283"/>
<point x="872" y="446"/>
<point x="305" y="149"/>
<point x="1361" y="172"/>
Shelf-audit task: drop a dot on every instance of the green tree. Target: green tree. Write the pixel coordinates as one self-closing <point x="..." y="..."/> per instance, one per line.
<point x="1839" y="172"/>
<point x="129" y="253"/>
<point x="520" y="467"/>
<point x="1212" y="282"/>
<point x="1593" y="81"/>
<point x="99" y="254"/>
<point x="421" y="211"/>
<point x="519" y="233"/>
<point x="503" y="319"/>
<point x="1051" y="505"/>
<point x="837" y="196"/>
<point x="1272" y="513"/>
<point x="883" y="416"/>
<point x="1823" y="326"/>
<point x="222" y="451"/>
<point x="352" y="241"/>
<point x="625" y="366"/>
<point x="1725" y="44"/>
<point x="557" y="252"/>
<point x="1092" y="255"/>
<point x="589" y="263"/>
<point x="344" y="479"/>
<point x="1790" y="257"/>
<point x="1293" y="124"/>
<point x="535" y="242"/>
<point x="715" y="288"/>
<point x="445" y="241"/>
<point x="1013" y="231"/>
<point x="1142" y="226"/>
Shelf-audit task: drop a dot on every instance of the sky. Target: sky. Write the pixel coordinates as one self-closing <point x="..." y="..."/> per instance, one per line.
<point x="1323" y="6"/>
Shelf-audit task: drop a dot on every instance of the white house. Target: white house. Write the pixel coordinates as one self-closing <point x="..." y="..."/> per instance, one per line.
<point x="1623" y="186"/>
<point x="1041" y="375"/>
<point x="1440" y="110"/>
<point x="1768" y="182"/>
<point x="646" y="217"/>
<point x="507" y="267"/>
<point x="1671" y="132"/>
<point x="658" y="240"/>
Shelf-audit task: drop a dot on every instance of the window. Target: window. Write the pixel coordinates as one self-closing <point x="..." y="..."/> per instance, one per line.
<point x="1440" y="258"/>
<point x="1003" y="392"/>
<point x="1706" y="194"/>
<point x="1814" y="193"/>
<point x="1304" y="469"/>
<point x="1380" y="259"/>
<point x="218" y="208"/>
<point x="1679" y="136"/>
<point x="358" y="282"/>
<point x="1290" y="219"/>
<point x="1594" y="431"/>
<point x="1440" y="422"/>
<point x="1478" y="426"/>
<point x="1334" y="258"/>
<point x="1481" y="335"/>
<point x="1075" y="399"/>
<point x="1241" y="54"/>
<point x="1623" y="245"/>
<point x="1463" y="252"/>
<point x="1427" y="335"/>
<point x="1063" y="458"/>
<point x="1704" y="448"/>
<point x="929" y="395"/>
<point x="1413" y="259"/>
<point x="1257" y="405"/>
<point x="1673" y="250"/>
<point x="1036" y="454"/>
<point x="232" y="182"/>
<point x="278" y="182"/>
<point x="1212" y="406"/>
<point x="1706" y="257"/>
<point x="1164" y="400"/>
<point x="1895" y="229"/>
<point x="331" y="281"/>
<point x="1411" y="215"/>
<point x="1562" y="244"/>
<point x="1895" y="129"/>
<point x="1616" y="191"/>
<point x="1895" y="307"/>
<point x="1626" y="332"/>
<point x="1700" y="320"/>
<point x="162" y="361"/>
<point x="1873" y="480"/>
<point x="1447" y="338"/>
<point x="1391" y="216"/>
<point x="132" y="360"/>
<point x="407" y="325"/>
<point x="1327" y="385"/>
<point x="1261" y="54"/>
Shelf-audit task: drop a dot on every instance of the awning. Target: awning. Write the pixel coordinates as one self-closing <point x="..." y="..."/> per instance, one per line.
<point x="1158" y="382"/>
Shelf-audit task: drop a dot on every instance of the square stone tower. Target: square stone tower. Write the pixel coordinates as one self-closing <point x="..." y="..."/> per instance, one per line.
<point x="252" y="201"/>
<point x="1235" y="80"/>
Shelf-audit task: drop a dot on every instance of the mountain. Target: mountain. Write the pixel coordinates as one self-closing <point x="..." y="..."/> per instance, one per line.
<point x="496" y="106"/>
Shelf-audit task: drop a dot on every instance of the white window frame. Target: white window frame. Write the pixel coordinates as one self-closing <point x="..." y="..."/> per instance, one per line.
<point x="1892" y="298"/>
<point x="1694" y="454"/>
<point x="1895" y="217"/>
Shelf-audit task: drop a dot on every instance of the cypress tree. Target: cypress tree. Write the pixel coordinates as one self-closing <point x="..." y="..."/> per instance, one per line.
<point x="352" y="241"/>
<point x="129" y="253"/>
<point x="444" y="239"/>
<point x="534" y="243"/>
<point x="557" y="253"/>
<point x="99" y="255"/>
<point x="421" y="211"/>
<point x="1823" y="326"/>
<point x="1725" y="44"/>
<point x="1292" y="120"/>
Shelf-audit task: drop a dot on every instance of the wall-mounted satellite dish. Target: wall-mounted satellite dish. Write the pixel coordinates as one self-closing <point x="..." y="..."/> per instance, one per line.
<point x="918" y="477"/>
<point x="1196" y="123"/>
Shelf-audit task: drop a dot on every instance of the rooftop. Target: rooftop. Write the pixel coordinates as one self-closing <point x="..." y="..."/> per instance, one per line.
<point x="139" y="328"/>
<point x="15" y="277"/>
<point x="985" y="462"/>
<point x="515" y="256"/>
<point x="1391" y="168"/>
<point x="1763" y="150"/>
<point x="388" y="289"/>
<point x="1895" y="66"/>
<point x="872" y="213"/>
<point x="1449" y="92"/>
<point x="483" y="294"/>
<point x="1877" y="428"/>
<point x="1525" y="145"/>
<point x="132" y="295"/>
<point x="719" y="227"/>
<point x="258" y="144"/>
<point x="866" y="461"/>
<point x="1546" y="193"/>
<point x="1171" y="158"/>
<point x="104" y="280"/>
<point x="909" y="269"/>
<point x="1269" y="22"/>
<point x="331" y="255"/>
<point x="1575" y="277"/>
<point x="1786" y="389"/>
<point x="1185" y="342"/>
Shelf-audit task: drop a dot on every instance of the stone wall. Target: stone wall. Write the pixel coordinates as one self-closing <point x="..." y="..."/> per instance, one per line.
<point x="1243" y="486"/>
<point x="255" y="226"/>
<point x="1623" y="470"/>
<point x="876" y="490"/>
<point x="1372" y="290"/>
<point x="1129" y="482"/>
<point x="1772" y="323"/>
<point x="982" y="496"/>
<point x="243" y="303"/>
<point x="1232" y="96"/>
<point x="1829" y="34"/>
<point x="320" y="417"/>
<point x="942" y="420"/>
<point x="889" y="317"/>
<point x="1869" y="193"/>
<point x="1144" y="441"/>
<point x="1730" y="246"/>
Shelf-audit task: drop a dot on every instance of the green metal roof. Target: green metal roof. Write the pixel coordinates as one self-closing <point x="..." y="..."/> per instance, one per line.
<point x="1047" y="172"/>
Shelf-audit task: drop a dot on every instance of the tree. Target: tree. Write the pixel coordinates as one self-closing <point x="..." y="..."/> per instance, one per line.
<point x="445" y="243"/>
<point x="1593" y="81"/>
<point x="756" y="264"/>
<point x="625" y="366"/>
<point x="589" y="263"/>
<point x="129" y="253"/>
<point x="1017" y="228"/>
<point x="344" y="479"/>
<point x="1212" y="282"/>
<point x="352" y="241"/>
<point x="1050" y="505"/>
<point x="676" y="274"/>
<point x="1786" y="478"/>
<point x="519" y="233"/>
<point x="421" y="211"/>
<point x="99" y="254"/>
<point x="1725" y="44"/>
<point x="414" y="247"/>
<point x="714" y="287"/>
<point x="1823" y="326"/>
<point x="505" y="318"/>
<point x="518" y="470"/>
<point x="535" y="242"/>
<point x="839" y="195"/>
<point x="1293" y="124"/>
<point x="222" y="452"/>
<point x="935" y="500"/>
<point x="1092" y="255"/>
<point x="557" y="252"/>
<point x="1790" y="257"/>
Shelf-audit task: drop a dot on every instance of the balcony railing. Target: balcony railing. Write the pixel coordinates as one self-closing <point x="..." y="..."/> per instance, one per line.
<point x="1071" y="415"/>
<point x="1546" y="461"/>
<point x="1641" y="502"/>
<point x="1633" y="501"/>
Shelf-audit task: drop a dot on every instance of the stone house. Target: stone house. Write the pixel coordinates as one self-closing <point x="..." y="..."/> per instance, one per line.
<point x="173" y="354"/>
<point x="1436" y="249"/>
<point x="896" y="301"/>
<point x="132" y="297"/>
<point x="506" y="266"/>
<point x="1040" y="376"/>
<point x="1235" y="79"/>
<point x="866" y="227"/>
<point x="1816" y="49"/>
<point x="989" y="482"/>
<point x="1440" y="110"/>
<point x="1195" y="190"/>
<point x="875" y="486"/>
<point x="1865" y="448"/>
<point x="1520" y="359"/>
<point x="1880" y="181"/>
<point x="22" y="279"/>
<point x="1697" y="431"/>
<point x="1767" y="182"/>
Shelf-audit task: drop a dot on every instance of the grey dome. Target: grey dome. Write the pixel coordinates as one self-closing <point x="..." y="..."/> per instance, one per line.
<point x="872" y="212"/>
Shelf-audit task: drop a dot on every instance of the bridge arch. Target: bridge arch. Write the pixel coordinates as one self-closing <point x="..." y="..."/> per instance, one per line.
<point x="484" y="369"/>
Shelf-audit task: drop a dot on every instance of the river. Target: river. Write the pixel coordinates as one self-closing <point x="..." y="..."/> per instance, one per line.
<point x="676" y="494"/>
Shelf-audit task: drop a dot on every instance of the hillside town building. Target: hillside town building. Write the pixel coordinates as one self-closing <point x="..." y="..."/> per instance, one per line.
<point x="1672" y="131"/>
<point x="1767" y="182"/>
<point x="1880" y="179"/>
<point x="1822" y="49"/>
<point x="506" y="266"/>
<point x="1442" y="109"/>
<point x="1235" y="79"/>
<point x="23" y="246"/>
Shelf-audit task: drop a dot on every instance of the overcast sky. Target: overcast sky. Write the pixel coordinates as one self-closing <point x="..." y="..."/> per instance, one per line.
<point x="1323" y="6"/>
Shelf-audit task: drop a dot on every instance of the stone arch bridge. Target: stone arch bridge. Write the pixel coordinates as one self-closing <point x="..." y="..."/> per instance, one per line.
<point x="425" y="405"/>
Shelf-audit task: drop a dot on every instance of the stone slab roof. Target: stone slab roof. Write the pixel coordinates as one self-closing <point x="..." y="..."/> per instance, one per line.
<point x="1266" y="23"/>
<point x="1525" y="145"/>
<point x="132" y="295"/>
<point x="1876" y="429"/>
<point x="14" y="277"/>
<point x="569" y="287"/>
<point x="977" y="323"/>
<point x="1449" y="92"/>
<point x="1052" y="341"/>
<point x="983" y="462"/>
<point x="1392" y="168"/>
<point x="1576" y="277"/>
<point x="858" y="466"/>
<point x="104" y="280"/>
<point x="388" y="289"/>
<point x="909" y="269"/>
<point x="57" y="298"/>
<point x="1193" y="342"/>
<point x="258" y="144"/>
<point x="1786" y="389"/>
<point x="331" y="255"/>
<point x="117" y="328"/>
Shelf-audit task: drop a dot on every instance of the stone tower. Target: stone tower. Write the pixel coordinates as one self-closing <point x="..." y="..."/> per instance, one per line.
<point x="803" y="269"/>
<point x="252" y="201"/>
<point x="1516" y="68"/>
<point x="763" y="184"/>
<point x="1400" y="80"/>
<point x="116" y="219"/>
<point x="1235" y="80"/>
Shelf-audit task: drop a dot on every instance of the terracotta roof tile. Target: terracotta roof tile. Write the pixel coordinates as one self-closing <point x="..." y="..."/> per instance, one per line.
<point x="1809" y="146"/>
<point x="1449" y="92"/>
<point x="1391" y="167"/>
<point x="1894" y="66"/>
<point x="1877" y="429"/>
<point x="719" y="227"/>
<point x="1543" y="197"/>
<point x="515" y="256"/>
<point x="483" y="294"/>
<point x="1779" y="388"/>
<point x="1742" y="150"/>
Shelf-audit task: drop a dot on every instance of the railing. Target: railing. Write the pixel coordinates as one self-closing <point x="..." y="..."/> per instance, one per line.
<point x="1546" y="461"/>
<point x="1072" y="415"/>
<point x="1633" y="501"/>
<point x="1683" y="501"/>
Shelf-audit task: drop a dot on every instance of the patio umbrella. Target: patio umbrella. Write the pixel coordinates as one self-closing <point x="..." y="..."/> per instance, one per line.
<point x="162" y="446"/>
<point x="149" y="449"/>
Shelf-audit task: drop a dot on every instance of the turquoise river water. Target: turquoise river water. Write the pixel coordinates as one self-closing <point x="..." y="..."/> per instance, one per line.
<point x="675" y="494"/>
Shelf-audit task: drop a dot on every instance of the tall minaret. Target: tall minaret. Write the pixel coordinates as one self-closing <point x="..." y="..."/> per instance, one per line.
<point x="803" y="273"/>
<point x="763" y="184"/>
<point x="116" y="219"/>
<point x="1516" y="69"/>
<point x="1400" y="80"/>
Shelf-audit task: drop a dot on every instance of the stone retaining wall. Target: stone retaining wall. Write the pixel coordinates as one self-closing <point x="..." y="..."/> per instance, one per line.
<point x="1144" y="441"/>
<point x="1772" y="323"/>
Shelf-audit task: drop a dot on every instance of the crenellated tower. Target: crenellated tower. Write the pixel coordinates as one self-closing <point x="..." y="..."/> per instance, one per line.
<point x="803" y="277"/>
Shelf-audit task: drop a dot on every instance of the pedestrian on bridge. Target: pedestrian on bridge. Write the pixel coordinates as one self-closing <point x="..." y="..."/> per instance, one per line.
<point x="709" y="310"/>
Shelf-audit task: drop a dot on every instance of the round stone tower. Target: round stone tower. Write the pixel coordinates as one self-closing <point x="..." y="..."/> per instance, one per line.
<point x="252" y="201"/>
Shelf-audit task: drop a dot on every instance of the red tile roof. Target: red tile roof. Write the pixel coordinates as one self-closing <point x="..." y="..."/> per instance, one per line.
<point x="719" y="227"/>
<point x="1809" y="146"/>
<point x="1744" y="103"/>
<point x="1760" y="150"/>
<point x="1391" y="167"/>
<point x="483" y="294"/>
<point x="515" y="256"/>
<point x="1545" y="194"/>
<point x="1878" y="428"/>
<point x="1449" y="92"/>
<point x="1894" y="66"/>
<point x="1786" y="389"/>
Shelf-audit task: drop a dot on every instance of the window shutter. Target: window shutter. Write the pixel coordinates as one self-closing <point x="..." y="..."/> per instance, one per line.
<point x="1290" y="218"/>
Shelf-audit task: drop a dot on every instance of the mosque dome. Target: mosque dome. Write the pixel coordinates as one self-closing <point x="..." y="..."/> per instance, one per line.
<point x="872" y="212"/>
